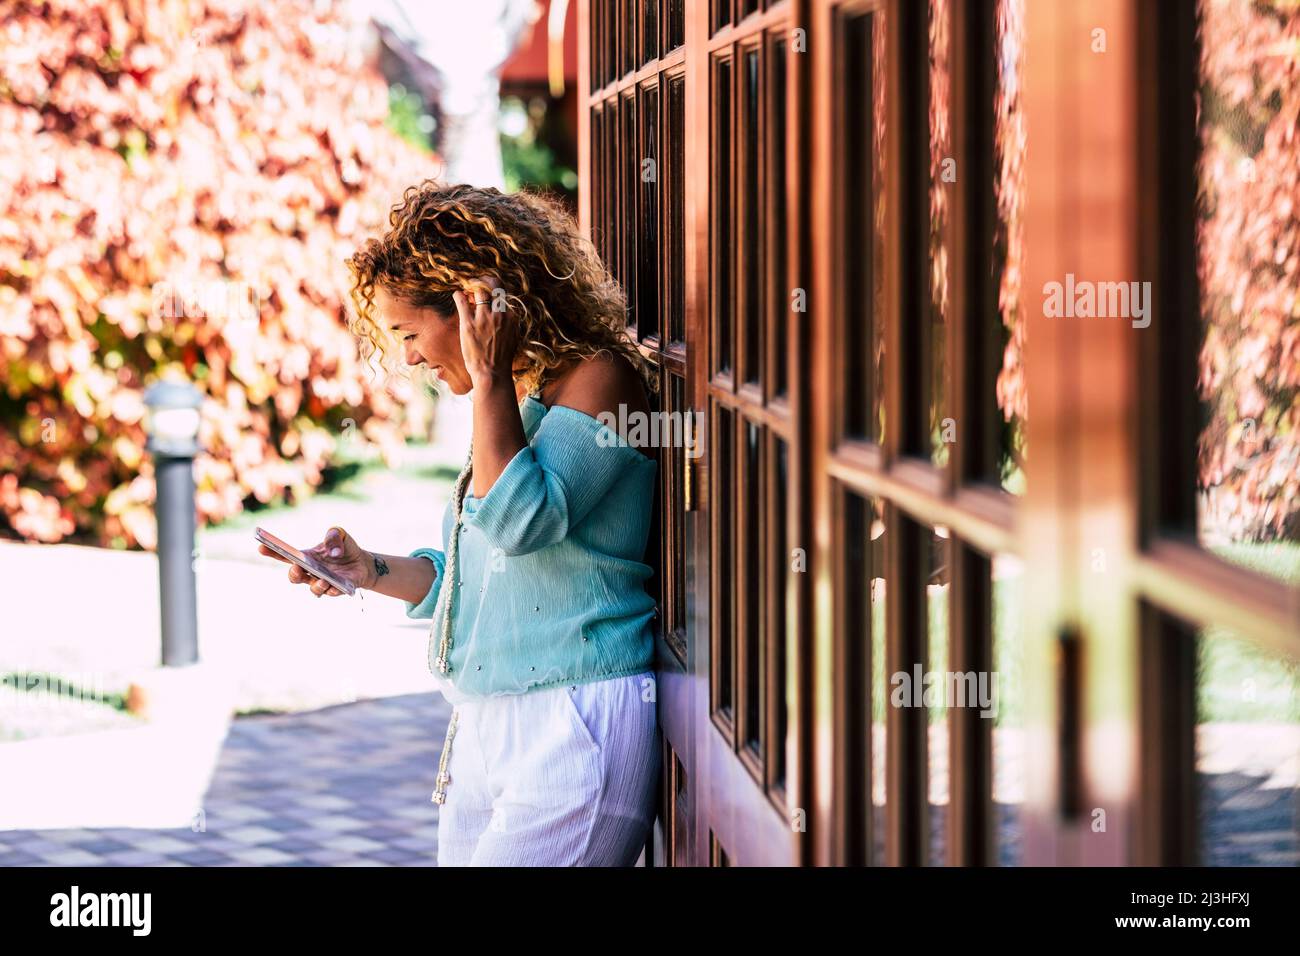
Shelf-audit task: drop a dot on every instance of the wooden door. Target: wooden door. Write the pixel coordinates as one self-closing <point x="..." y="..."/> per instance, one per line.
<point x="684" y="159"/>
<point x="749" y="379"/>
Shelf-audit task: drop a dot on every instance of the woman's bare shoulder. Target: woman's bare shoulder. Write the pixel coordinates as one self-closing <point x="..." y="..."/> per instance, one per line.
<point x="601" y="385"/>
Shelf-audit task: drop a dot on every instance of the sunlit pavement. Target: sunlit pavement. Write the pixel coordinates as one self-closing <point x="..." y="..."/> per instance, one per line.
<point x="350" y="786"/>
<point x="342" y="786"/>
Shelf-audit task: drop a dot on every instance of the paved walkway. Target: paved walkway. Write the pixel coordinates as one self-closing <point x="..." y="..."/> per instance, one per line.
<point x="341" y="786"/>
<point x="349" y="786"/>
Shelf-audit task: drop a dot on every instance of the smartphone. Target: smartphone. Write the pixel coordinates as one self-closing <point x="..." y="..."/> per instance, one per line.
<point x="304" y="561"/>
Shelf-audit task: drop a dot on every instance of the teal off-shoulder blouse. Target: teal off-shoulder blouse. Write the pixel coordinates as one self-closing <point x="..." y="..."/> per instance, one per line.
<point x="551" y="584"/>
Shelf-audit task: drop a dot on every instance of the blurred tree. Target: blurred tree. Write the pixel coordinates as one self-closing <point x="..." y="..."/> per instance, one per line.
<point x="182" y="183"/>
<point x="525" y="157"/>
<point x="1250" y="268"/>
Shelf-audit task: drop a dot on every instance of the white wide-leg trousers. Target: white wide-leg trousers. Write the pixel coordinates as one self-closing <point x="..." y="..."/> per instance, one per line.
<point x="559" y="777"/>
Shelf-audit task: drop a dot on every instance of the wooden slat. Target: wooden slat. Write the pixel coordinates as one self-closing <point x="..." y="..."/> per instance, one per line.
<point x="906" y="761"/>
<point x="972" y="220"/>
<point x="1204" y="589"/>
<point x="985" y="518"/>
<point x="1166" y="834"/>
<point x="971" y="823"/>
<point x="1080" y="504"/>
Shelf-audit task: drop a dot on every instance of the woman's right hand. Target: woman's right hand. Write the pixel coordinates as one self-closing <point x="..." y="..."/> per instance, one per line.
<point x="341" y="554"/>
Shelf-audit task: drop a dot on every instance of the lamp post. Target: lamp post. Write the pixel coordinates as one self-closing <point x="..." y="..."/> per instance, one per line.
<point x="173" y="428"/>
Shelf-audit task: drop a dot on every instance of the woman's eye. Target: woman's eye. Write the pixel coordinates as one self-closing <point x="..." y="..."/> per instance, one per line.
<point x="408" y="337"/>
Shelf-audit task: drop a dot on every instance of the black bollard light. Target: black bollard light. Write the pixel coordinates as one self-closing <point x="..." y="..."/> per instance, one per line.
<point x="173" y="428"/>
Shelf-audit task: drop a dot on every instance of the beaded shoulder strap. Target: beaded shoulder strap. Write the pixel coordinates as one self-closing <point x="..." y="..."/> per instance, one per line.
<point x="450" y="574"/>
<point x="451" y="569"/>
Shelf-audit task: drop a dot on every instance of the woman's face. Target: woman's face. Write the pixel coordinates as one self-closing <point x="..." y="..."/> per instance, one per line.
<point x="428" y="338"/>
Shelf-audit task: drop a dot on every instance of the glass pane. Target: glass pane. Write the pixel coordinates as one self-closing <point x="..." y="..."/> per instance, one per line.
<point x="676" y="208"/>
<point x="612" y="216"/>
<point x="781" y="568"/>
<point x="721" y="13"/>
<point x="1247" y="753"/>
<point x="593" y="44"/>
<point x="676" y="23"/>
<point x="1249" y="250"/>
<point x="659" y="546"/>
<point x="1008" y="723"/>
<point x="722" y="252"/>
<point x="631" y="177"/>
<point x="597" y="185"/>
<point x="934" y="344"/>
<point x="752" y="484"/>
<point x="936" y="593"/>
<point x="611" y="39"/>
<point x="677" y="515"/>
<point x="1008" y="330"/>
<point x="721" y="499"/>
<point x="879" y="686"/>
<point x="751" y="203"/>
<point x="649" y="30"/>
<point x="861" y="176"/>
<point x="778" y="289"/>
<point x="864" y="634"/>
<point x="647" y="308"/>
<point x="627" y="44"/>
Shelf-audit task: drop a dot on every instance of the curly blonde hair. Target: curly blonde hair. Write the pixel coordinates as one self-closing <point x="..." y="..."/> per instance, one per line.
<point x="442" y="236"/>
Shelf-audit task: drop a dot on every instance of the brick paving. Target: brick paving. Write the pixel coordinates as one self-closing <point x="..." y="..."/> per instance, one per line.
<point x="1247" y="822"/>
<point x="341" y="786"/>
<point x="349" y="785"/>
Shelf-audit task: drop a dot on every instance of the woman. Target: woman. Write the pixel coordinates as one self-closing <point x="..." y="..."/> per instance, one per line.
<point x="541" y="624"/>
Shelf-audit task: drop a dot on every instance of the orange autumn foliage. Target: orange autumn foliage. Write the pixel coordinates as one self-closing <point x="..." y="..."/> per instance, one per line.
<point x="1250" y="268"/>
<point x="183" y="146"/>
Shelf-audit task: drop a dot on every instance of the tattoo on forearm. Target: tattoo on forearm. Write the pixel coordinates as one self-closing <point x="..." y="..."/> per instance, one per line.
<point x="381" y="566"/>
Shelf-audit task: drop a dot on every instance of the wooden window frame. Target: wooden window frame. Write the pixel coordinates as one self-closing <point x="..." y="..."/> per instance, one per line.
<point x="1182" y="586"/>
<point x="916" y="495"/>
